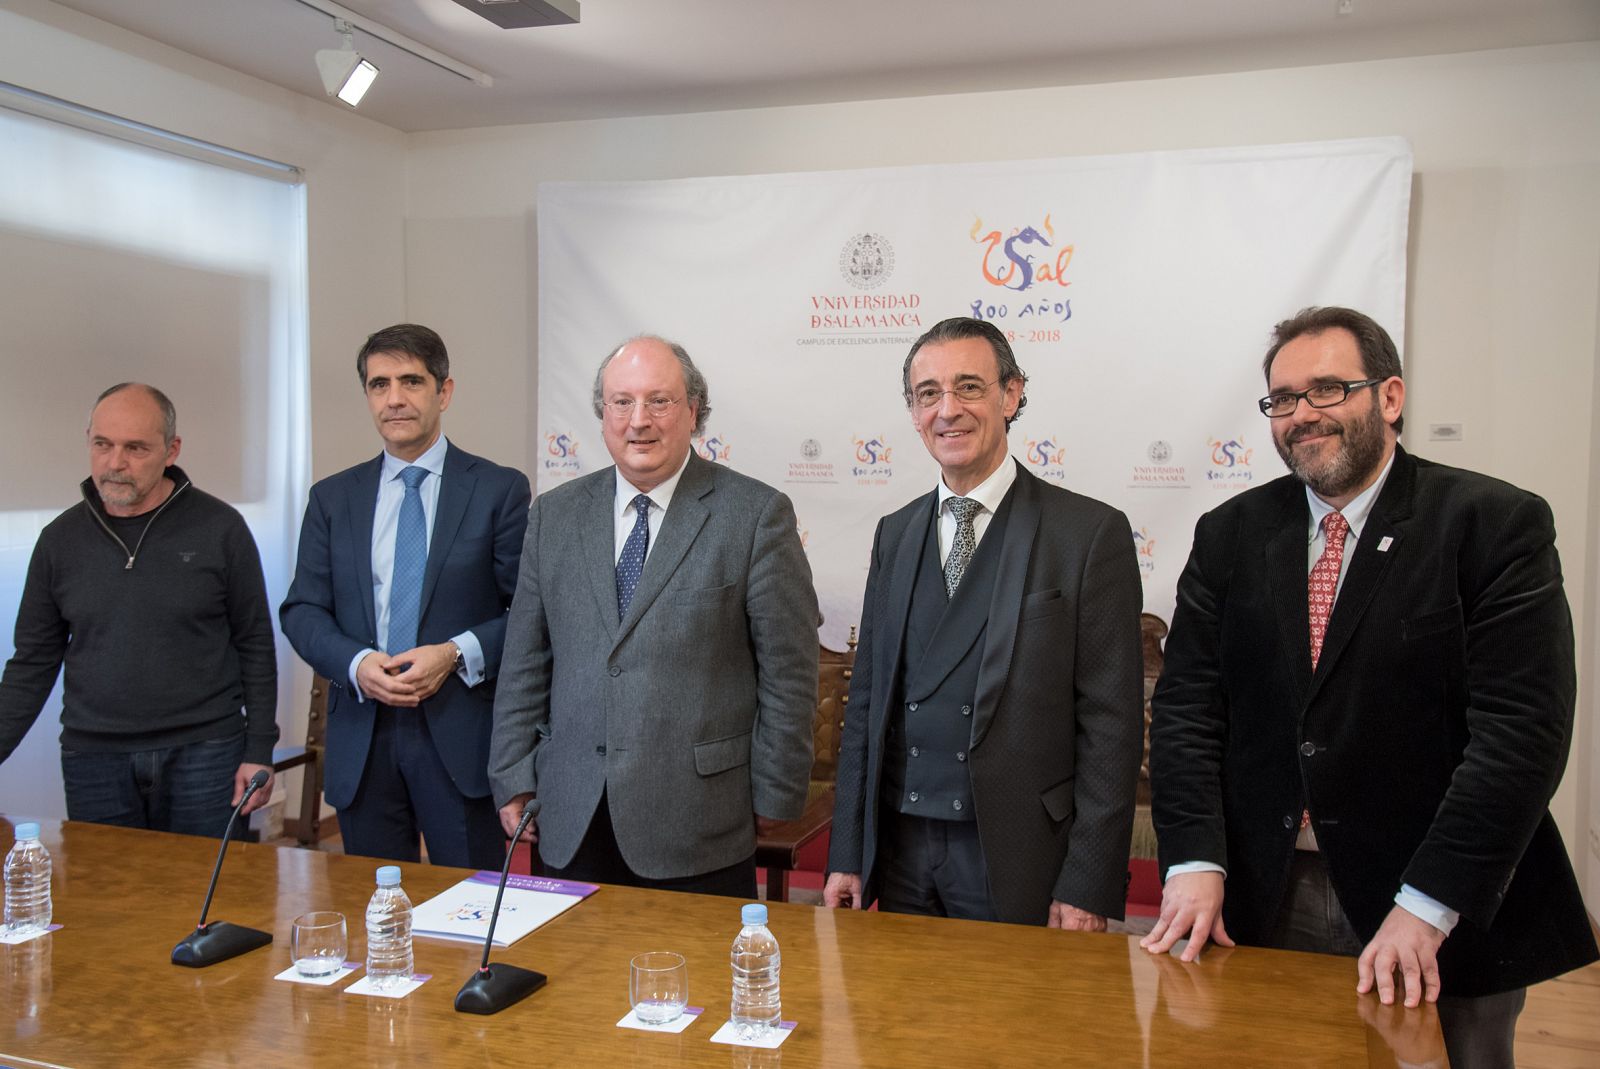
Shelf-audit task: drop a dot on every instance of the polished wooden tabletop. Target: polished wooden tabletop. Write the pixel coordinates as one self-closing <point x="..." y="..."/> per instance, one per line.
<point x="866" y="988"/>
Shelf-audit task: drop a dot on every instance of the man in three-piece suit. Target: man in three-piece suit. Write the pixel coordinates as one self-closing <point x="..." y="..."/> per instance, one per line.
<point x="988" y="763"/>
<point x="1366" y="706"/>
<point x="661" y="659"/>
<point x="406" y="569"/>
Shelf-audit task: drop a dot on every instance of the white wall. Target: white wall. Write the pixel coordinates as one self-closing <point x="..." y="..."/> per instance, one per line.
<point x="1505" y="252"/>
<point x="355" y="204"/>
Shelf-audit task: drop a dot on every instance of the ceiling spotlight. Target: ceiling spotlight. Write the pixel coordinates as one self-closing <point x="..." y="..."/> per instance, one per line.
<point x="345" y="73"/>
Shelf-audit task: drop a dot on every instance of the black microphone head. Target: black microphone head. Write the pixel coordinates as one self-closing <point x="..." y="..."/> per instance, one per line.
<point x="259" y="780"/>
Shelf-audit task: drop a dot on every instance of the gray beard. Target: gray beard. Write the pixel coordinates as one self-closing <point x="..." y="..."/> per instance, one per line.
<point x="1358" y="455"/>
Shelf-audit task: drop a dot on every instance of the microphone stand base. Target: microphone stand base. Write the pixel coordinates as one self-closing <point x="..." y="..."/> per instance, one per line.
<point x="217" y="941"/>
<point x="497" y="987"/>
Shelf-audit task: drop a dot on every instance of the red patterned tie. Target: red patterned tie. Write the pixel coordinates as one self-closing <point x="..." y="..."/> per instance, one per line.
<point x="1324" y="581"/>
<point x="1320" y="591"/>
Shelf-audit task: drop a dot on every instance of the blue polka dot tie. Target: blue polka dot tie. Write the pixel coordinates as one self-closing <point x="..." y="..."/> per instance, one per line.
<point x="410" y="561"/>
<point x="631" y="564"/>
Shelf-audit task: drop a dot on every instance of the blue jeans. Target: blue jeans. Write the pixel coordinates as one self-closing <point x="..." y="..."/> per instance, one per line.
<point x="186" y="789"/>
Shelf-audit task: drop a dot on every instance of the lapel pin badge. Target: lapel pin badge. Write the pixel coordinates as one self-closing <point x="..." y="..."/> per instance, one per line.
<point x="1384" y="543"/>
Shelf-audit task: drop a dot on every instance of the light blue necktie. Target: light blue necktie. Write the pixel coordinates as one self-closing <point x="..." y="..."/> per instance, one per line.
<point x="410" y="561"/>
<point x="631" y="564"/>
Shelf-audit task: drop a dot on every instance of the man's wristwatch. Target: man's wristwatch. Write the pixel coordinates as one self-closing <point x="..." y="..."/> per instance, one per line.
<point x="460" y="664"/>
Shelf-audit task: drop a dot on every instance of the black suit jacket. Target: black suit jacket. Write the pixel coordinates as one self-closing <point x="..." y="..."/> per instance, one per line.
<point x="1428" y="741"/>
<point x="1058" y="727"/>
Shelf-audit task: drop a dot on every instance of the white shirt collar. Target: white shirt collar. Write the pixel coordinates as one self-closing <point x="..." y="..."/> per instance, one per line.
<point x="988" y="493"/>
<point x="432" y="459"/>
<point x="1356" y="512"/>
<point x="660" y="497"/>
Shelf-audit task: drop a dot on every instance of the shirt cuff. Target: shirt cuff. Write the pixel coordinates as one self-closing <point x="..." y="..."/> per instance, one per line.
<point x="1195" y="866"/>
<point x="354" y="663"/>
<point x="1427" y="909"/>
<point x="472" y="671"/>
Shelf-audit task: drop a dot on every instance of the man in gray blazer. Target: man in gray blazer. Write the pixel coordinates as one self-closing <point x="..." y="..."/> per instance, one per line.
<point x="660" y="666"/>
<point x="990" y="753"/>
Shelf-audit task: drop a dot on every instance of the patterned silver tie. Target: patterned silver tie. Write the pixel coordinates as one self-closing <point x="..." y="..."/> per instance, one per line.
<point x="965" y="542"/>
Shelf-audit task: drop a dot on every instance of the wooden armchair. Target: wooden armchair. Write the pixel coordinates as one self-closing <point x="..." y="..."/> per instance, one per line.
<point x="307" y="828"/>
<point x="778" y="851"/>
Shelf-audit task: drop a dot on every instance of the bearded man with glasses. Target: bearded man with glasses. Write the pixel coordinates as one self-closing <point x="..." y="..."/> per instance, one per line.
<point x="1366" y="706"/>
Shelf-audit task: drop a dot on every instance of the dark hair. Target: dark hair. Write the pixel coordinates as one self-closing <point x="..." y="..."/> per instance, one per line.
<point x="169" y="414"/>
<point x="413" y="340"/>
<point x="961" y="327"/>
<point x="1379" y="358"/>
<point x="696" y="392"/>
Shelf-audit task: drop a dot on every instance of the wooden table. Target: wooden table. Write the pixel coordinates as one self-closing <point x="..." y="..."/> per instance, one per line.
<point x="866" y="989"/>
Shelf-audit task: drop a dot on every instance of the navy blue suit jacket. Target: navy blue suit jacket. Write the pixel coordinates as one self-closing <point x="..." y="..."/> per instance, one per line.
<point x="329" y="616"/>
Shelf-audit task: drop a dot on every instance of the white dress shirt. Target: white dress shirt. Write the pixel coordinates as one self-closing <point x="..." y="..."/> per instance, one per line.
<point x="622" y="514"/>
<point x="385" y="524"/>
<point x="988" y="494"/>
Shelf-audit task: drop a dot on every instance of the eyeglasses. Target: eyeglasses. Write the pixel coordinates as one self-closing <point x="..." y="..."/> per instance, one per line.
<point x="968" y="392"/>
<point x="657" y="407"/>
<point x="1322" y="395"/>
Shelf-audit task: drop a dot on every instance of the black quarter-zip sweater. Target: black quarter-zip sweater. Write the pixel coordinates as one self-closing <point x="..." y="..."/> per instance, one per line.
<point x="162" y="622"/>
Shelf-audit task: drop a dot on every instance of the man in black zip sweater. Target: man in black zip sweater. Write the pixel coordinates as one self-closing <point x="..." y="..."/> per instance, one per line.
<point x="151" y="592"/>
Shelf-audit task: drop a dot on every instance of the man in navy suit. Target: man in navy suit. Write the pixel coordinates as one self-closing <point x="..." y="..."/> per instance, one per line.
<point x="406" y="569"/>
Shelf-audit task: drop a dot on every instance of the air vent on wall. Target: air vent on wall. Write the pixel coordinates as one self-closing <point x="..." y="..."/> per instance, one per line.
<point x="520" y="14"/>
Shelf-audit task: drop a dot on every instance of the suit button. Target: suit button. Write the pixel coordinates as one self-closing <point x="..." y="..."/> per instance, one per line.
<point x="1288" y="822"/>
<point x="956" y="805"/>
<point x="912" y="796"/>
<point x="1307" y="749"/>
<point x="615" y="672"/>
<point x="912" y="707"/>
<point x="961" y="755"/>
<point x="915" y="752"/>
<point x="966" y="710"/>
<point x="601" y="749"/>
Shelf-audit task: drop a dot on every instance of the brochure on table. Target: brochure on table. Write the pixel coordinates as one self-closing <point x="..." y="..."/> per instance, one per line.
<point x="462" y="912"/>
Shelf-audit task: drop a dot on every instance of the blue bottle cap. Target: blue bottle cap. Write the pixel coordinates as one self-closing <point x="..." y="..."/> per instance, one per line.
<point x="754" y="913"/>
<point x="389" y="876"/>
<point x="29" y="830"/>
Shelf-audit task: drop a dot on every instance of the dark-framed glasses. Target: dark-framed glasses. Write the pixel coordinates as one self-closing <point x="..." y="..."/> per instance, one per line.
<point x="1322" y="395"/>
<point x="657" y="407"/>
<point x="968" y="392"/>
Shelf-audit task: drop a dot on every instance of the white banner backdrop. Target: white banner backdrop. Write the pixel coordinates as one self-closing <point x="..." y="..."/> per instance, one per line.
<point x="1139" y="292"/>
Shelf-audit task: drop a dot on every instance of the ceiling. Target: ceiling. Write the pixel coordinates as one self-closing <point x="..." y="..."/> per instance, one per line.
<point x="652" y="57"/>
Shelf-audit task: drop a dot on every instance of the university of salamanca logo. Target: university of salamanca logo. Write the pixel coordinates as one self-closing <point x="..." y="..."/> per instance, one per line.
<point x="1160" y="452"/>
<point x="866" y="261"/>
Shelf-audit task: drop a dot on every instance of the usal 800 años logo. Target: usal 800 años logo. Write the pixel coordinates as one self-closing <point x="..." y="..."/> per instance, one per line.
<point x="716" y="448"/>
<point x="1047" y="457"/>
<point x="1230" y="463"/>
<point x="1144" y="550"/>
<point x="873" y="465"/>
<point x="1020" y="260"/>
<point x="561" y="455"/>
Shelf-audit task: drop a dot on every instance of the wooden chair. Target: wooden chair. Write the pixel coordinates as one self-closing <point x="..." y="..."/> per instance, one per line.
<point x="778" y="851"/>
<point x="1154" y="630"/>
<point x="308" y="827"/>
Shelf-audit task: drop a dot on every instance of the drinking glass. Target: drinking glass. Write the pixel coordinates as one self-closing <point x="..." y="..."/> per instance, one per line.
<point x="317" y="943"/>
<point x="658" y="986"/>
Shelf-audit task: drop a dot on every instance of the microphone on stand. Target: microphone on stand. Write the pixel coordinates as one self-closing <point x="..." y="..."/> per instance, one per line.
<point x="219" y="941"/>
<point x="495" y="987"/>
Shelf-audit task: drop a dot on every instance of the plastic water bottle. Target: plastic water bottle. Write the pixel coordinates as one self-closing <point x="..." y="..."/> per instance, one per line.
<point x="389" y="960"/>
<point x="755" y="960"/>
<point x="27" y="882"/>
